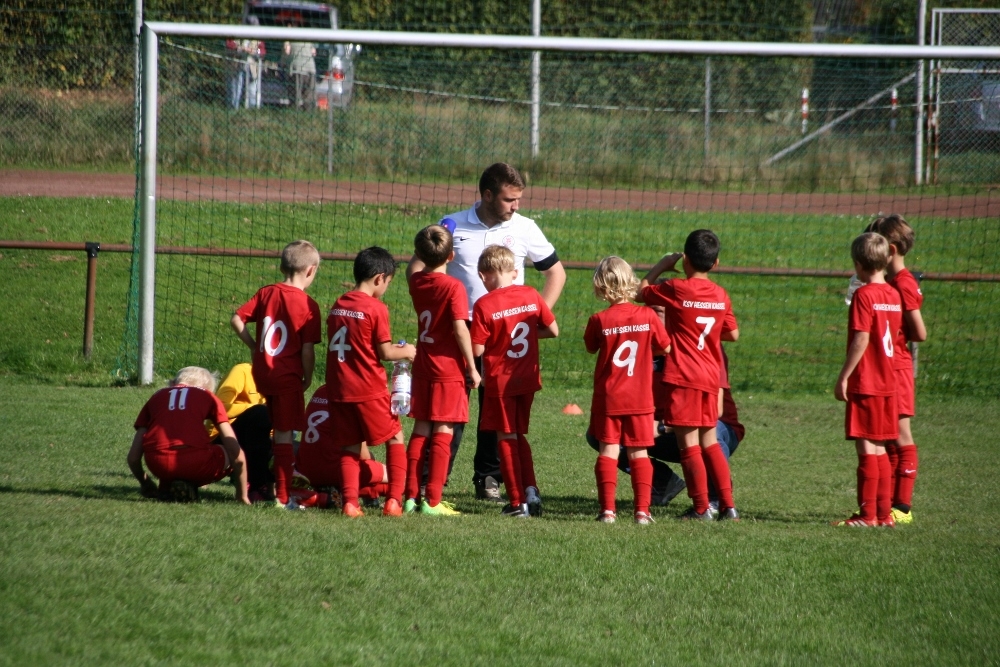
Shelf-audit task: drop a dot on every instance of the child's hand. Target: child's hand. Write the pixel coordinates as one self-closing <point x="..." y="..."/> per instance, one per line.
<point x="475" y="377"/>
<point x="409" y="351"/>
<point x="147" y="489"/>
<point x="241" y="495"/>
<point x="840" y="389"/>
<point x="670" y="261"/>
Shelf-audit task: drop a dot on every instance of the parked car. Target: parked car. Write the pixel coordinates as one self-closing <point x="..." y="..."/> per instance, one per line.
<point x="334" y="82"/>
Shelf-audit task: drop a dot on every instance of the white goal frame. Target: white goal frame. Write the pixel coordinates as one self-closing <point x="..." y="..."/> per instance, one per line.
<point x="153" y="30"/>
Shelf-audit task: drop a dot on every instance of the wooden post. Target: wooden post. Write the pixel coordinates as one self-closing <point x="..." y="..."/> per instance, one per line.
<point x="88" y="317"/>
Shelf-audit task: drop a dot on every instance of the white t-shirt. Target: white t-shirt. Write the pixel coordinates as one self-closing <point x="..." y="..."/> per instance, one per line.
<point x="471" y="236"/>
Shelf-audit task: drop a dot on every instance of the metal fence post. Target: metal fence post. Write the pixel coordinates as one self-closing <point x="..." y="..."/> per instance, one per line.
<point x="147" y="234"/>
<point x="918" y="151"/>
<point x="88" y="311"/>
<point x="708" y="104"/>
<point x="536" y="76"/>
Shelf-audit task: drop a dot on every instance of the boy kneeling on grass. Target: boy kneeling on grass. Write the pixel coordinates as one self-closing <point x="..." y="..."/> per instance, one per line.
<point x="170" y="433"/>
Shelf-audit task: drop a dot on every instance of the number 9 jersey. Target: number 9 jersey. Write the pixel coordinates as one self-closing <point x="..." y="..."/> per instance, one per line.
<point x="506" y="323"/>
<point x="626" y="337"/>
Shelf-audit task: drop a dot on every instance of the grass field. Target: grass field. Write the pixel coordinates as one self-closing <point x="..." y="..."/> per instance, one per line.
<point x="93" y="574"/>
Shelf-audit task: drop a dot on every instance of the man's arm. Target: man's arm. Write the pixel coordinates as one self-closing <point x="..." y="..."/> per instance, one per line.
<point x="146" y="486"/>
<point x="555" y="280"/>
<point x="308" y="363"/>
<point x="666" y="263"/>
<point x="413" y="266"/>
<point x="241" y="330"/>
<point x="464" y="339"/>
<point x="236" y="460"/>
<point x="854" y="354"/>
<point x="389" y="352"/>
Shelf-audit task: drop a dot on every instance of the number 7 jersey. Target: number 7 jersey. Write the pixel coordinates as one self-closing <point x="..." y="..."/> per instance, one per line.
<point x="625" y="336"/>
<point x="506" y="322"/>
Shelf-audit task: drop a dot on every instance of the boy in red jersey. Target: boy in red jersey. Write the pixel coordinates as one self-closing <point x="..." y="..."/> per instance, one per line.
<point x="356" y="384"/>
<point x="699" y="317"/>
<point x="444" y="355"/>
<point x="868" y="381"/>
<point x="903" y="451"/>
<point x="319" y="461"/>
<point x="626" y="337"/>
<point x="170" y="434"/>
<point x="506" y="325"/>
<point x="288" y="324"/>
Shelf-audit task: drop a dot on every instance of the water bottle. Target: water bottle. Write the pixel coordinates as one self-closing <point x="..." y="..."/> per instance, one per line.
<point x="400" y="401"/>
<point x="852" y="287"/>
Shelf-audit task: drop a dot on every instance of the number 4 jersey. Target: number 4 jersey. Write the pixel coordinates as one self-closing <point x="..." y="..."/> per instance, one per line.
<point x="285" y="319"/>
<point x="625" y="336"/>
<point x="506" y="322"/>
<point x="875" y="309"/>
<point x="356" y="326"/>
<point x="698" y="313"/>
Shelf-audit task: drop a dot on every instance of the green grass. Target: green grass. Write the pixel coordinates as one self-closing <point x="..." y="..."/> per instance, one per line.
<point x="93" y="574"/>
<point x="793" y="329"/>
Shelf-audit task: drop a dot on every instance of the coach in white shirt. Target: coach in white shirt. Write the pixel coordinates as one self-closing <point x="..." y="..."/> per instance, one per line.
<point x="494" y="220"/>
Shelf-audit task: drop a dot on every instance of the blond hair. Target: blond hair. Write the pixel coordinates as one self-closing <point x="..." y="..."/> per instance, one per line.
<point x="496" y="259"/>
<point x="871" y="251"/>
<point x="196" y="376"/>
<point x="298" y="256"/>
<point x="896" y="231"/>
<point x="614" y="280"/>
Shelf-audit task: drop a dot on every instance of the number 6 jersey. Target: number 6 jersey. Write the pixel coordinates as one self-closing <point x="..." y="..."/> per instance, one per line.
<point x="698" y="312"/>
<point x="506" y="322"/>
<point x="875" y="309"/>
<point x="626" y="337"/>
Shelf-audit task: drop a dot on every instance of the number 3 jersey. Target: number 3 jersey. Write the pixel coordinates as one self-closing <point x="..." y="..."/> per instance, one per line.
<point x="355" y="328"/>
<point x="876" y="309"/>
<point x="625" y="337"/>
<point x="285" y="318"/>
<point x="698" y="312"/>
<point x="439" y="301"/>
<point x="506" y="322"/>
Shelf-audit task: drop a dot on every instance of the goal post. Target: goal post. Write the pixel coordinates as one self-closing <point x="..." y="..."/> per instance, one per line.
<point x="607" y="171"/>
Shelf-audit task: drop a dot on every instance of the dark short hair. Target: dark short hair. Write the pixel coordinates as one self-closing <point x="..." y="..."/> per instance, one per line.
<point x="371" y="262"/>
<point x="702" y="249"/>
<point x="433" y="245"/>
<point x="895" y="230"/>
<point x="498" y="175"/>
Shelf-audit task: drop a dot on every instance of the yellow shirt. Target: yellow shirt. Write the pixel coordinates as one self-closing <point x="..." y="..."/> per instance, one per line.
<point x="238" y="392"/>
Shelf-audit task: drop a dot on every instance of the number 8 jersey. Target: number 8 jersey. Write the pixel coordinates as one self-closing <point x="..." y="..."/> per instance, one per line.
<point x="626" y="337"/>
<point x="506" y="322"/>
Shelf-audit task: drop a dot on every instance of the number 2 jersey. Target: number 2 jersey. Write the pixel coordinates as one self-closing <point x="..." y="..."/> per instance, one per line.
<point x="506" y="322"/>
<point x="877" y="310"/>
<point x="698" y="312"/>
<point x="356" y="326"/>
<point x="285" y="318"/>
<point x="174" y="419"/>
<point x="439" y="301"/>
<point x="625" y="337"/>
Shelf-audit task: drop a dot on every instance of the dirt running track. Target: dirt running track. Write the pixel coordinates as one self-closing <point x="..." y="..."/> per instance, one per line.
<point x="247" y="191"/>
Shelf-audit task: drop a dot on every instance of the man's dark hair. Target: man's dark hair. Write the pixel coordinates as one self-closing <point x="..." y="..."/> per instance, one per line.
<point x="702" y="249"/>
<point x="372" y="261"/>
<point x="498" y="175"/>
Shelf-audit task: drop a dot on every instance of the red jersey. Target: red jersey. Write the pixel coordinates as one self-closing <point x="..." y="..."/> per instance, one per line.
<point x="911" y="298"/>
<point x="175" y="419"/>
<point x="357" y="325"/>
<point x="875" y="309"/>
<point x="624" y="336"/>
<point x="729" y="415"/>
<point x="506" y="322"/>
<point x="439" y="300"/>
<point x="285" y="319"/>
<point x="317" y="431"/>
<point x="698" y="312"/>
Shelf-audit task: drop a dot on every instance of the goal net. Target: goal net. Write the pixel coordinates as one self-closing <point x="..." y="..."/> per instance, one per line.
<point x="785" y="158"/>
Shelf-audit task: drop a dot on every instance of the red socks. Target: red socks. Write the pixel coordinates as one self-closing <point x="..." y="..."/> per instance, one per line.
<point x="510" y="467"/>
<point x="642" y="481"/>
<point x="606" y="470"/>
<point x="437" y="472"/>
<point x="414" y="457"/>
<point x="883" y="503"/>
<point x="906" y="476"/>
<point x="893" y="453"/>
<point x="718" y="468"/>
<point x="696" y="477"/>
<point x="284" y="458"/>
<point x="527" y="463"/>
<point x="395" y="461"/>
<point x="868" y="478"/>
<point x="350" y="472"/>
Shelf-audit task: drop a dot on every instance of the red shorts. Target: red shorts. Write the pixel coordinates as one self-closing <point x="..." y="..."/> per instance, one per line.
<point x="506" y="414"/>
<point x="370" y="421"/>
<point x="686" y="407"/>
<point x="197" y="465"/>
<point x="625" y="430"/>
<point x="871" y="417"/>
<point x="321" y="466"/>
<point x="445" y="402"/>
<point x="287" y="411"/>
<point x="906" y="393"/>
